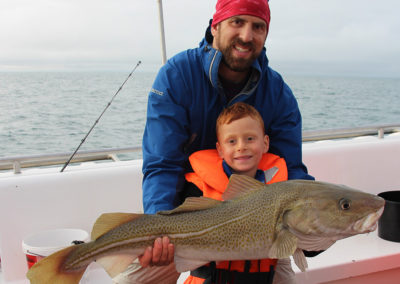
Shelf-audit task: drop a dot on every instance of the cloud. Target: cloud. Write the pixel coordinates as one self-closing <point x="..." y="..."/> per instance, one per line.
<point x="48" y="34"/>
<point x="354" y="34"/>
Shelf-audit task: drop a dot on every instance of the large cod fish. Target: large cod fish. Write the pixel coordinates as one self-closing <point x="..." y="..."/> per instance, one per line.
<point x="254" y="221"/>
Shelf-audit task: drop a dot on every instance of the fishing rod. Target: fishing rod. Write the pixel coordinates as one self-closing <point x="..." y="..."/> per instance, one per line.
<point x="97" y="120"/>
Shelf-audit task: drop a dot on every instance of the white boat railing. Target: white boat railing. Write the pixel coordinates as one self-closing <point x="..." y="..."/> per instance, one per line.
<point x="111" y="154"/>
<point x="18" y="162"/>
<point x="343" y="133"/>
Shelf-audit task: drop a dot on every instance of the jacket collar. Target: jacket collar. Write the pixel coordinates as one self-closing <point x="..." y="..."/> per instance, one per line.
<point x="260" y="176"/>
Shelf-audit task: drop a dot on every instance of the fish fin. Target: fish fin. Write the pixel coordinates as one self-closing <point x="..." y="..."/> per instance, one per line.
<point x="193" y="204"/>
<point x="49" y="270"/>
<point x="109" y="221"/>
<point x="300" y="259"/>
<point x="239" y="185"/>
<point x="314" y="243"/>
<point x="284" y="245"/>
<point x="115" y="264"/>
<point x="184" y="264"/>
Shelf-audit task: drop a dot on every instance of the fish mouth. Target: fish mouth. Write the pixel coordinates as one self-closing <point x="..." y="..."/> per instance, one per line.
<point x="368" y="223"/>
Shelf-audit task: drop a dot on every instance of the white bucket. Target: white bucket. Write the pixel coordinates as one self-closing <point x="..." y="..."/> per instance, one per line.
<point x="42" y="244"/>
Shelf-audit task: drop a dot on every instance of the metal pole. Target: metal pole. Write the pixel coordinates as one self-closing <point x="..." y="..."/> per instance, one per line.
<point x="161" y="20"/>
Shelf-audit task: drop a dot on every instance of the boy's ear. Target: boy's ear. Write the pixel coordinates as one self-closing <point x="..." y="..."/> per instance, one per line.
<point x="266" y="143"/>
<point x="220" y="153"/>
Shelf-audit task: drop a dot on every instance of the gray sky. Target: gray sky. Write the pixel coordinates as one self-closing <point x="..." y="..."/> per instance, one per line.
<point x="349" y="37"/>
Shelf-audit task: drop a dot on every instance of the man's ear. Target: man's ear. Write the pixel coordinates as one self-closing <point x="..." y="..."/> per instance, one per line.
<point x="214" y="29"/>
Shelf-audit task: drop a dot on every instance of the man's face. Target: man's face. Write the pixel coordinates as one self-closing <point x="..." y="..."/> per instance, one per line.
<point x="240" y="39"/>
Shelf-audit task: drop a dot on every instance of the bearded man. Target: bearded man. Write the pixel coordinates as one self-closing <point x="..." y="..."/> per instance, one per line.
<point x="230" y="65"/>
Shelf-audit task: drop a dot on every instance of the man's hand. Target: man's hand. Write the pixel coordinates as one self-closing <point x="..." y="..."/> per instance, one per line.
<point x="161" y="254"/>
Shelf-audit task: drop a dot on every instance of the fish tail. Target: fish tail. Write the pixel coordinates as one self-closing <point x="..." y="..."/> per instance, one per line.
<point x="117" y="263"/>
<point x="49" y="270"/>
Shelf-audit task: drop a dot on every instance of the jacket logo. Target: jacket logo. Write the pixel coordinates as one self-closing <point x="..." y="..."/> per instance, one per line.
<point x="157" y="92"/>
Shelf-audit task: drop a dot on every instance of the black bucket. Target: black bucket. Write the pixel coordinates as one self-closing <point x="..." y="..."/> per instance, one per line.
<point x="389" y="223"/>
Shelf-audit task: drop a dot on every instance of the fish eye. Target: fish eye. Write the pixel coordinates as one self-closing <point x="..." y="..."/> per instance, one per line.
<point x="344" y="204"/>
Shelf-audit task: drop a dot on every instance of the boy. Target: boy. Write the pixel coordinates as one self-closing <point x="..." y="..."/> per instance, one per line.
<point x="241" y="149"/>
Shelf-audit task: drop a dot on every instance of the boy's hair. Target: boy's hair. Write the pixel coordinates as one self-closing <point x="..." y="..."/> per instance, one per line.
<point x="237" y="111"/>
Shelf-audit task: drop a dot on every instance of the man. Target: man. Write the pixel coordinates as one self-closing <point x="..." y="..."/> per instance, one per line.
<point x="192" y="88"/>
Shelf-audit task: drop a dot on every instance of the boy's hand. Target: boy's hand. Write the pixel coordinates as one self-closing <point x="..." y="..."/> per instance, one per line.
<point x="162" y="253"/>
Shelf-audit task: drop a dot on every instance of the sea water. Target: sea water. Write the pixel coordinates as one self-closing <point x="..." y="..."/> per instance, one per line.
<point x="44" y="113"/>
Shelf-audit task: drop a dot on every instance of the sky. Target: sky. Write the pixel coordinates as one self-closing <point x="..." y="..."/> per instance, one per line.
<point x="342" y="37"/>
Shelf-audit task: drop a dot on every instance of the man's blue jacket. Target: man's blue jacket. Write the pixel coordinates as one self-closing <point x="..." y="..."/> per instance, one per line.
<point x="183" y="105"/>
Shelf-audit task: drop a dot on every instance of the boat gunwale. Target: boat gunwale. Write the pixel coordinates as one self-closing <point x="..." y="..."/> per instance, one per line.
<point x="16" y="163"/>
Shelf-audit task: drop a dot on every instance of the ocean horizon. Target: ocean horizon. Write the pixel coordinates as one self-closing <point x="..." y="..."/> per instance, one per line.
<point x="51" y="112"/>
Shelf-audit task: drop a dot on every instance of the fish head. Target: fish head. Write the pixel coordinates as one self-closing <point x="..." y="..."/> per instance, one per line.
<point x="333" y="212"/>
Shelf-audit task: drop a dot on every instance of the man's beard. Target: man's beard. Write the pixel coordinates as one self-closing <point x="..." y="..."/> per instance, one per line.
<point x="238" y="64"/>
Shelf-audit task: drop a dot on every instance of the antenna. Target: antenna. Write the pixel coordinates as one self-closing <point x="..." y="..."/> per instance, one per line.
<point x="97" y="120"/>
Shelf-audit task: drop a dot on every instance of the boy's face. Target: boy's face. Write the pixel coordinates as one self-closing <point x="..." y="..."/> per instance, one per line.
<point x="241" y="144"/>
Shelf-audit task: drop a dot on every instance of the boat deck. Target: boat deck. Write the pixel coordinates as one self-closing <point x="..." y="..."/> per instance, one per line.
<point x="41" y="199"/>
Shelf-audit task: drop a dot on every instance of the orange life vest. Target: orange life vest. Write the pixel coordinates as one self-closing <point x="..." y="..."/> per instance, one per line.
<point x="209" y="176"/>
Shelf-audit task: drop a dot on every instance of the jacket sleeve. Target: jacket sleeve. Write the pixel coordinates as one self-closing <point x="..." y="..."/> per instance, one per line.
<point x="165" y="135"/>
<point x="285" y="133"/>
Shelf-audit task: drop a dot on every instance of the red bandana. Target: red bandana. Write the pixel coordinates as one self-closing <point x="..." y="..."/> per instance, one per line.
<point x="229" y="8"/>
